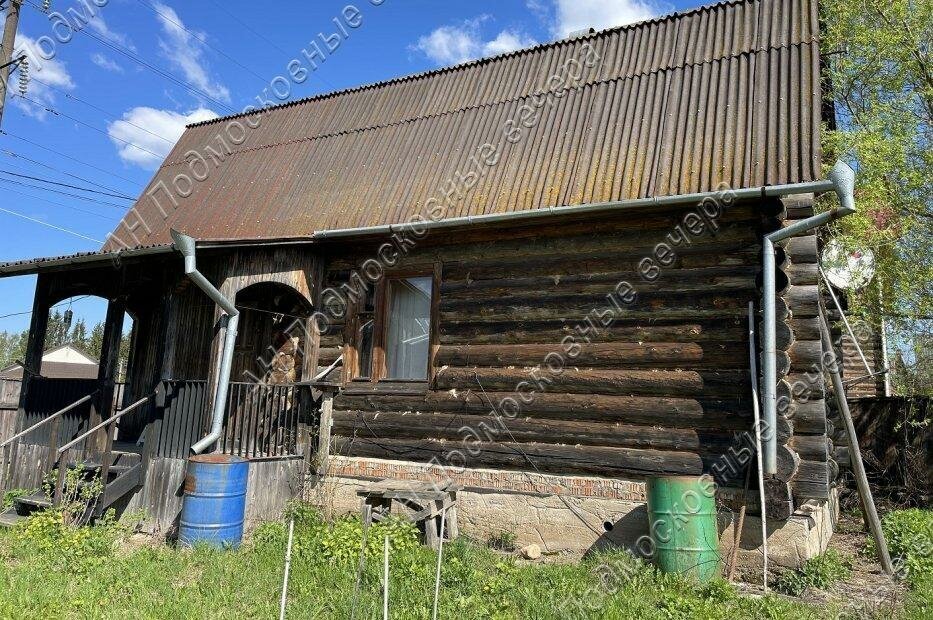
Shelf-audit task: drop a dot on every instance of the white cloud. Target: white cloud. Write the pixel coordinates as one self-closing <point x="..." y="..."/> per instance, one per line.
<point x="51" y="71"/>
<point x="105" y="63"/>
<point x="166" y="123"/>
<point x="507" y="41"/>
<point x="566" y="16"/>
<point x="184" y="48"/>
<point x="100" y="26"/>
<point x="450" y="45"/>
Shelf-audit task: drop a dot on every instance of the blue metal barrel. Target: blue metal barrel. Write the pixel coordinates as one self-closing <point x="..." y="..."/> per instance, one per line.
<point x="215" y="501"/>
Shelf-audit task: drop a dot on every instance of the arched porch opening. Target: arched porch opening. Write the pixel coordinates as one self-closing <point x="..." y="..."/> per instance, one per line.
<point x="275" y="352"/>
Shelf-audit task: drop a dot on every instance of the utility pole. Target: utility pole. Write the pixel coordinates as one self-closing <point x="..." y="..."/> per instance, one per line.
<point x="6" y="53"/>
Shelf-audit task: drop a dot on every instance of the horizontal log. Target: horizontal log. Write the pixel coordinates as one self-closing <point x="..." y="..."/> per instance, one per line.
<point x="630" y="242"/>
<point x="569" y="262"/>
<point x="487" y="427"/>
<point x="673" y="383"/>
<point x="811" y="481"/>
<point x="716" y="414"/>
<point x="328" y="355"/>
<point x="800" y="386"/>
<point x="726" y="278"/>
<point x="582" y="355"/>
<point x="545" y="458"/>
<point x="535" y="332"/>
<point x="803" y="301"/>
<point x="806" y="356"/>
<point x="803" y="273"/>
<point x="805" y="328"/>
<point x="801" y="250"/>
<point x="809" y="417"/>
<point x="787" y="463"/>
<point x="811" y="447"/>
<point x="672" y="305"/>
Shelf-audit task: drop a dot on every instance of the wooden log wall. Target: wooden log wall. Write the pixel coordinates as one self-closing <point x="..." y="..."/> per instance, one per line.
<point x="799" y="361"/>
<point x="663" y="389"/>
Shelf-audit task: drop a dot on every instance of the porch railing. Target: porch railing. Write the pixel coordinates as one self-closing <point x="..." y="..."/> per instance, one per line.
<point x="261" y="421"/>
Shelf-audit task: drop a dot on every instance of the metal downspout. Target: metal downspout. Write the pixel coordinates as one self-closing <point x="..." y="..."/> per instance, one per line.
<point x="842" y="179"/>
<point x="186" y="246"/>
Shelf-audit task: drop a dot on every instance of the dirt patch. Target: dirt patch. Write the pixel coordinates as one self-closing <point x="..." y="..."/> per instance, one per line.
<point x="868" y="593"/>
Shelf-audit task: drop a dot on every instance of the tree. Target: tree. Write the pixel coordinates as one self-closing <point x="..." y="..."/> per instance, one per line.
<point x="880" y="77"/>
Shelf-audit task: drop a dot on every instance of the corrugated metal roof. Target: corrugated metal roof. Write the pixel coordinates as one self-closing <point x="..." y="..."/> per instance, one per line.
<point x="727" y="93"/>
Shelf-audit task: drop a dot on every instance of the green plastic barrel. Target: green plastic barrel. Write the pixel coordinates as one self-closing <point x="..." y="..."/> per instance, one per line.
<point x="682" y="516"/>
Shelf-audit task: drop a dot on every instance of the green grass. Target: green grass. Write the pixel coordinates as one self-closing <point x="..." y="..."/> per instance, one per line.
<point x="48" y="570"/>
<point x="820" y="572"/>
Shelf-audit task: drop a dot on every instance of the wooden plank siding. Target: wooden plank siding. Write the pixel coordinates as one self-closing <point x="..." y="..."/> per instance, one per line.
<point x="663" y="389"/>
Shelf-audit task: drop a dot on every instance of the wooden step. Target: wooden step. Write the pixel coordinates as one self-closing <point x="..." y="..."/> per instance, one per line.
<point x="37" y="500"/>
<point x="10" y="518"/>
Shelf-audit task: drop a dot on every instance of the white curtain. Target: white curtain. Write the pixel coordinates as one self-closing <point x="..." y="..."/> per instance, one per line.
<point x="408" y="328"/>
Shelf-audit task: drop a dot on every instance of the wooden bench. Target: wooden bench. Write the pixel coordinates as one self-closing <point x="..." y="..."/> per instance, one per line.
<point x="425" y="503"/>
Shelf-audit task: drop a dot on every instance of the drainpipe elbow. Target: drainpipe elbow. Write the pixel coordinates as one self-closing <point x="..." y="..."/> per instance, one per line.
<point x="843" y="177"/>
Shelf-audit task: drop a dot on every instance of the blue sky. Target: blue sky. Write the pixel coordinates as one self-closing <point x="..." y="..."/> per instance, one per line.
<point x="97" y="118"/>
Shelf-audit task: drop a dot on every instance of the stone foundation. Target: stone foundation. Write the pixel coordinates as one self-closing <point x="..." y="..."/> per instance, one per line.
<point x="571" y="515"/>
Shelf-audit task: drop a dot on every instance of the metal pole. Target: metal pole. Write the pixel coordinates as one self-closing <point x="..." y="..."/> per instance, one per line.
<point x="6" y="54"/>
<point x="440" y="555"/>
<point x="832" y="294"/>
<point x="855" y="453"/>
<point x="385" y="580"/>
<point x="288" y="566"/>
<point x="753" y="368"/>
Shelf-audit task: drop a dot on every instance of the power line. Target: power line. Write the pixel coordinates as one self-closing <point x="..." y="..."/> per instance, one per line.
<point x="68" y="185"/>
<point x="52" y="110"/>
<point x="58" y="305"/>
<point x="204" y="41"/>
<point x="153" y="68"/>
<point x="135" y="58"/>
<point x="272" y="43"/>
<point x="60" y="204"/>
<point x="74" y="159"/>
<point x="53" y="226"/>
<point x="69" y="194"/>
<point x="101" y="110"/>
<point x="16" y="155"/>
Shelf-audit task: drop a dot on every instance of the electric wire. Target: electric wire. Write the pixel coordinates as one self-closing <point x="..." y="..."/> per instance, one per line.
<point x="203" y="40"/>
<point x="48" y="225"/>
<point x="61" y="204"/>
<point x="68" y="185"/>
<point x="69" y="194"/>
<point x="15" y="155"/>
<point x="102" y="111"/>
<point x="55" y="112"/>
<point x="135" y="58"/>
<point x="58" y="305"/>
<point x="74" y="159"/>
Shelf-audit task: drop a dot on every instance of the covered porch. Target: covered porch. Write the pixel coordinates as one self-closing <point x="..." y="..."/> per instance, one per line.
<point x="135" y="434"/>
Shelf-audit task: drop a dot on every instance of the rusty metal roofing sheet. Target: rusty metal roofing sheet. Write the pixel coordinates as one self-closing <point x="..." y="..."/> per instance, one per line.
<point x="728" y="93"/>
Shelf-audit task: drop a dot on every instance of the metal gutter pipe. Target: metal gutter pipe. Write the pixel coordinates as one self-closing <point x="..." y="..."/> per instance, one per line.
<point x="842" y="180"/>
<point x="186" y="246"/>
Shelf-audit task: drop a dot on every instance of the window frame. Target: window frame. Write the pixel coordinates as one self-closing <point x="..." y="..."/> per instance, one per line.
<point x="378" y="372"/>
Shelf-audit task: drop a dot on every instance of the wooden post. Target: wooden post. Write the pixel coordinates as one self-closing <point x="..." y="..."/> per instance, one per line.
<point x="323" y="444"/>
<point x="38" y="326"/>
<point x="858" y="467"/>
<point x="107" y="372"/>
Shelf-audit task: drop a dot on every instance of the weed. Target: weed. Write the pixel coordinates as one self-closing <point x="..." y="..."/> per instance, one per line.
<point x="503" y="541"/>
<point x="909" y="534"/>
<point x="10" y="496"/>
<point x="820" y="572"/>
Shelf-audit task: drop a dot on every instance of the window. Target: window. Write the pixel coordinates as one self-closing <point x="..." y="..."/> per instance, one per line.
<point x="408" y="328"/>
<point x="393" y="330"/>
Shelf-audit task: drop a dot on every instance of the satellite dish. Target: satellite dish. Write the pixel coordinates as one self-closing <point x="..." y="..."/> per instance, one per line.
<point x="847" y="269"/>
